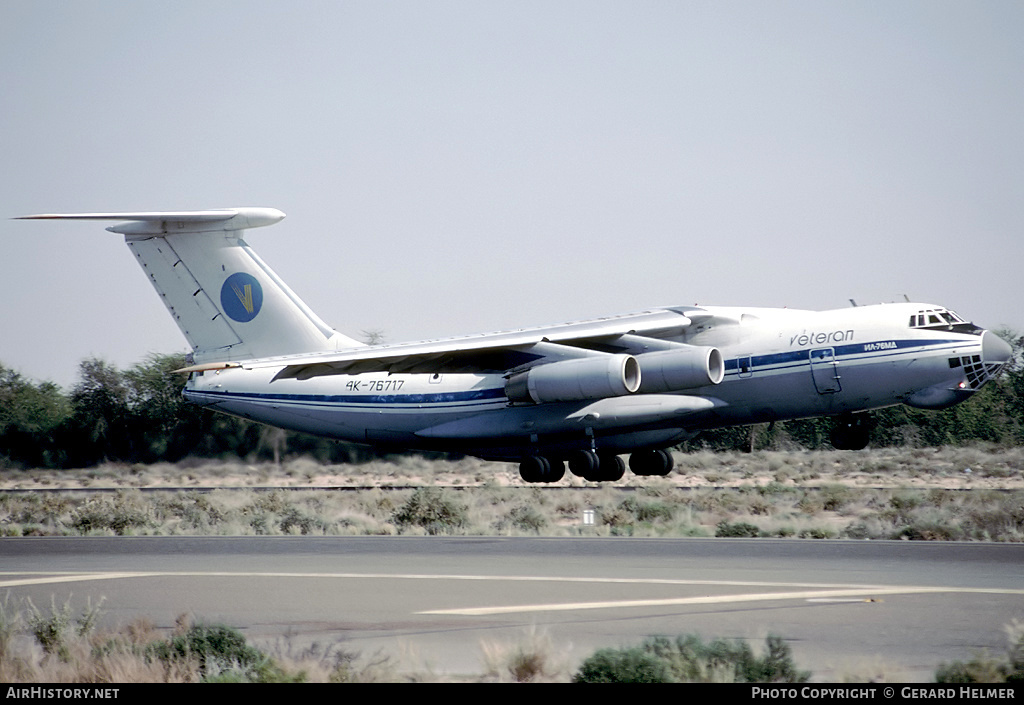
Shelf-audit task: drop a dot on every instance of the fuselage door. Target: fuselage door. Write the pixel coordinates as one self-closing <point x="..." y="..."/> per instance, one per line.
<point x="824" y="371"/>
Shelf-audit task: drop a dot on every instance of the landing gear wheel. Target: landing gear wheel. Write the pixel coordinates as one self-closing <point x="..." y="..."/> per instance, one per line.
<point x="851" y="433"/>
<point x="584" y="463"/>
<point x="534" y="468"/>
<point x="612" y="468"/>
<point x="667" y="463"/>
<point x="556" y="471"/>
<point x="651" y="462"/>
<point x="537" y="468"/>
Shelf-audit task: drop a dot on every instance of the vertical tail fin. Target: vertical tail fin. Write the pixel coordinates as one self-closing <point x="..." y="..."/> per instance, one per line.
<point x="227" y="302"/>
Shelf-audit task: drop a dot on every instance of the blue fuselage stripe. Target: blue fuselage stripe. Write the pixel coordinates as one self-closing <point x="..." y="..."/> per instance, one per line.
<point x="872" y="350"/>
<point x="476" y="395"/>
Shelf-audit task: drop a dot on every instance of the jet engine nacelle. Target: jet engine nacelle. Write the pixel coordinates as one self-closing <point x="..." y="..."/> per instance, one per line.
<point x="576" y="380"/>
<point x="676" y="369"/>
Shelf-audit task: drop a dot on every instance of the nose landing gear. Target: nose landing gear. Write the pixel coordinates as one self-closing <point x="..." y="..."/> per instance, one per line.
<point x="851" y="432"/>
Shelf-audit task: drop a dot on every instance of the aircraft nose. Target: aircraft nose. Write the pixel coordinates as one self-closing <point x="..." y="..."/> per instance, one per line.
<point x="994" y="349"/>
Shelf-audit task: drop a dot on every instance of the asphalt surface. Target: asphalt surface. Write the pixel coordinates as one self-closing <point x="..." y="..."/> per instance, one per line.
<point x="845" y="607"/>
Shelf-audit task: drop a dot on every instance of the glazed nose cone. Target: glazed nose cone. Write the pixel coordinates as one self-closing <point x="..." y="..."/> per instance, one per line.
<point x="995" y="349"/>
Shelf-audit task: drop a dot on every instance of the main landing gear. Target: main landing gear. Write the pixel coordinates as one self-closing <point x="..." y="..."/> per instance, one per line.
<point x="537" y="468"/>
<point x="595" y="467"/>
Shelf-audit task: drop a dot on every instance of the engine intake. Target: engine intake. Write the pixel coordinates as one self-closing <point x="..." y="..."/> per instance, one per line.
<point x="673" y="370"/>
<point x="575" y="380"/>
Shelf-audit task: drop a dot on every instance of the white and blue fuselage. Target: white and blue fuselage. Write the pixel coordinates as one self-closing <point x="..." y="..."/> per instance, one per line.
<point x="778" y="364"/>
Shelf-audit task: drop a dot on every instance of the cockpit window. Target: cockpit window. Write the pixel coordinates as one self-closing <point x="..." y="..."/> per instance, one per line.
<point x="942" y="319"/>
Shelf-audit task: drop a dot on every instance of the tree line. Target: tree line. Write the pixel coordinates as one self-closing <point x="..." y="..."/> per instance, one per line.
<point x="138" y="415"/>
<point x="135" y="415"/>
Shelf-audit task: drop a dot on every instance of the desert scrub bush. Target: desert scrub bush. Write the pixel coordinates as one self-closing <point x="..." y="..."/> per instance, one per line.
<point x="776" y="489"/>
<point x="867" y="528"/>
<point x="493" y="494"/>
<point x="687" y="659"/>
<point x="818" y="532"/>
<point x="317" y="663"/>
<point x="273" y="502"/>
<point x="740" y="529"/>
<point x="191" y="510"/>
<point x="359" y="524"/>
<point x="659" y="487"/>
<point x="53" y="631"/>
<point x="929" y="531"/>
<point x="296" y="521"/>
<point x="649" y="512"/>
<point x="810" y="504"/>
<point x="759" y="506"/>
<point x="569" y="506"/>
<point x="992" y="516"/>
<point x="122" y="514"/>
<point x="985" y="668"/>
<point x="10" y="625"/>
<point x="220" y="654"/>
<point x="434" y="510"/>
<point x="901" y="506"/>
<point x="619" y="521"/>
<point x="31" y="514"/>
<point x="835" y="497"/>
<point x="953" y="516"/>
<point x="716" y="500"/>
<point x="777" y="463"/>
<point x="525" y="518"/>
<point x="635" y="516"/>
<point x="532" y="659"/>
<point x="376" y="504"/>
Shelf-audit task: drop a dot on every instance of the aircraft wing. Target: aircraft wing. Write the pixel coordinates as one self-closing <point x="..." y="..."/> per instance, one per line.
<point x="493" y="352"/>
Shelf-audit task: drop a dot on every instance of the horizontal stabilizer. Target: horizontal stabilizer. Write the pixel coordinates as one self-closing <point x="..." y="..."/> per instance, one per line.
<point x="152" y="222"/>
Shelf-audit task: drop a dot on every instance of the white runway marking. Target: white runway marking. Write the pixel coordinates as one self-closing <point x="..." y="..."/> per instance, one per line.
<point x="702" y="600"/>
<point x="48" y="578"/>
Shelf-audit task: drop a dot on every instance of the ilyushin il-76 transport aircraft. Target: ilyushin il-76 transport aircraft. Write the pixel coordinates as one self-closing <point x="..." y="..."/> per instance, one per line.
<point x="581" y="393"/>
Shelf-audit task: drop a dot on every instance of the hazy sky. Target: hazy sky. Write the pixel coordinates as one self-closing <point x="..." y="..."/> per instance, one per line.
<point x="458" y="167"/>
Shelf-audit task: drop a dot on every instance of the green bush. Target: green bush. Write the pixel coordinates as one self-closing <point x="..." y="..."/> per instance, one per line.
<point x="738" y="530"/>
<point x="687" y="659"/>
<point x="524" y="518"/>
<point x="221" y="654"/>
<point x="434" y="510"/>
<point x="635" y="665"/>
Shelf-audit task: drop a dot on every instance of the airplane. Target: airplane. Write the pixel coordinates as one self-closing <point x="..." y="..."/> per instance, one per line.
<point x="580" y="394"/>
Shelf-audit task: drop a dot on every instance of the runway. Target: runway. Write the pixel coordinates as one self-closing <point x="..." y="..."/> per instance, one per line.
<point x="843" y="606"/>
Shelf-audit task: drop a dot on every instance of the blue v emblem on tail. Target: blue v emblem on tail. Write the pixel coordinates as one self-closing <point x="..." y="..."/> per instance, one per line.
<point x="241" y="297"/>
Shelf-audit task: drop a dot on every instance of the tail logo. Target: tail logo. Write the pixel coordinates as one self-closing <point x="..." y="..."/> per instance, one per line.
<point x="241" y="297"/>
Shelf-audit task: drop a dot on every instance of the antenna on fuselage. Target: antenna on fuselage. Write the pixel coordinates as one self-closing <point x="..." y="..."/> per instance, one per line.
<point x="853" y="303"/>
